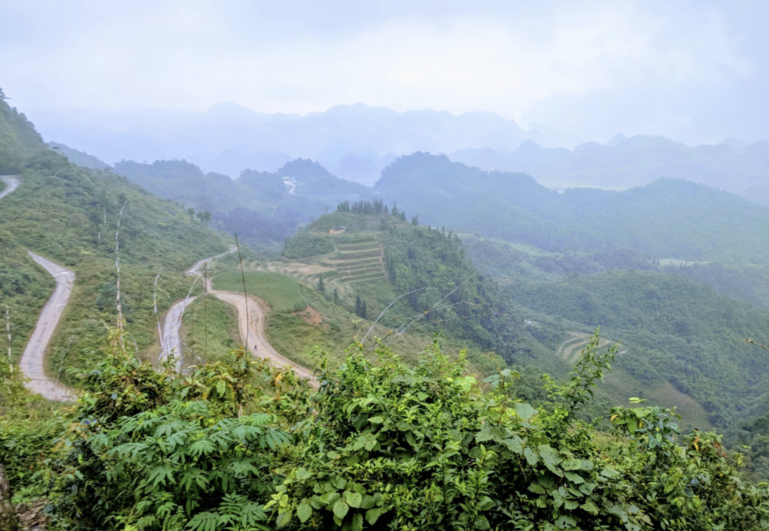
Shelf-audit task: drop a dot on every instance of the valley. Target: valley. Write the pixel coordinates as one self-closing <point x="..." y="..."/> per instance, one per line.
<point x="490" y="291"/>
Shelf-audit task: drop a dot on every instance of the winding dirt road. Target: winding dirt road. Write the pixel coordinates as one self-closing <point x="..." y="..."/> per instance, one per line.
<point x="251" y="316"/>
<point x="11" y="183"/>
<point x="32" y="362"/>
<point x="171" y="343"/>
<point x="251" y="327"/>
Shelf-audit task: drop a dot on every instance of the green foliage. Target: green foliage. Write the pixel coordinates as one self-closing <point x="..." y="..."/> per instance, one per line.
<point x="150" y="449"/>
<point x="672" y="328"/>
<point x="69" y="214"/>
<point x="18" y="139"/>
<point x="425" y="447"/>
<point x="282" y="293"/>
<point x="238" y="445"/>
<point x="257" y="206"/>
<point x="306" y="244"/>
<point x="209" y="330"/>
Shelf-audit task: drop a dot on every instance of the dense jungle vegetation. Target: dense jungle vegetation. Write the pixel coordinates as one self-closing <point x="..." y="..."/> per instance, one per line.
<point x="380" y="445"/>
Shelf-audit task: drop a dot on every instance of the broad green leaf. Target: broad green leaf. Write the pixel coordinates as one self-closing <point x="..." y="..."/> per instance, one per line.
<point x="284" y="518"/>
<point x="368" y="502"/>
<point x="590" y="507"/>
<point x="372" y="515"/>
<point x="572" y="464"/>
<point x="340" y="509"/>
<point x="525" y="411"/>
<point x="531" y="457"/>
<point x="353" y="499"/>
<point x="574" y="478"/>
<point x="483" y="436"/>
<point x="376" y="420"/>
<point x="515" y="444"/>
<point x="357" y="522"/>
<point x="304" y="511"/>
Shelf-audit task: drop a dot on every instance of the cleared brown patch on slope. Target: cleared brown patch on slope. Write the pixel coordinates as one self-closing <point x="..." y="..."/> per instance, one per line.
<point x="310" y="315"/>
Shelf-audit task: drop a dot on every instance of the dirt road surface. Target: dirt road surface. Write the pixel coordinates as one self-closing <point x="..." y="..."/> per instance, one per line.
<point x="32" y="362"/>
<point x="197" y="269"/>
<point x="252" y="328"/>
<point x="172" y="343"/>
<point x="11" y="183"/>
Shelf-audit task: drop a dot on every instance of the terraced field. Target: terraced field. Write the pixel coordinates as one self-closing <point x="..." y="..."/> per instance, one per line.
<point x="571" y="350"/>
<point x="356" y="258"/>
<point x="357" y="261"/>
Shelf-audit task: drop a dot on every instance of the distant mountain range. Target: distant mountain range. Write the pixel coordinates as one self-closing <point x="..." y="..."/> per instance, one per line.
<point x="624" y="163"/>
<point x="666" y="218"/>
<point x="353" y="141"/>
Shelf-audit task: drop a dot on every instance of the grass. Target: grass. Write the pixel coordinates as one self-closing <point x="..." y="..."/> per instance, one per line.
<point x="282" y="293"/>
<point x="294" y="337"/>
<point x="209" y="330"/>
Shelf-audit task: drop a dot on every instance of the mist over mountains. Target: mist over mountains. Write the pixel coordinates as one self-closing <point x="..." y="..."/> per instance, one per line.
<point x="356" y="142"/>
<point x="625" y="163"/>
<point x="352" y="141"/>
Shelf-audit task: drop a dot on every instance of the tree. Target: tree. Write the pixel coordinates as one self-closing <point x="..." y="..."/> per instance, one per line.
<point x="321" y="285"/>
<point x="204" y="217"/>
<point x="415" y="221"/>
<point x="336" y="296"/>
<point x="360" y="307"/>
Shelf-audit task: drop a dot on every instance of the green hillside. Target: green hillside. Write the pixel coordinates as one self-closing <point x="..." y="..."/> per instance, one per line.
<point x="69" y="214"/>
<point x="673" y="330"/>
<point x="667" y="219"/>
<point x="79" y="157"/>
<point x="371" y="259"/>
<point x="18" y="138"/>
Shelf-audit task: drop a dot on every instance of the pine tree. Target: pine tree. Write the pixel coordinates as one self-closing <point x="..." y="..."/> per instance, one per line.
<point x="415" y="221"/>
<point x="364" y="310"/>
<point x="336" y="296"/>
<point x="321" y="285"/>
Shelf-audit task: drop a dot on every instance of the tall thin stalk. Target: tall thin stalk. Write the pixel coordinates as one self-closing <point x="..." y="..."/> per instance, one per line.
<point x="8" y="331"/>
<point x="157" y="319"/>
<point x="205" y="310"/>
<point x="245" y="294"/>
<point x="117" y="267"/>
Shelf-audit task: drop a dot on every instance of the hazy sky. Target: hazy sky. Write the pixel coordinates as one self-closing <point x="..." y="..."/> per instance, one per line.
<point x="692" y="70"/>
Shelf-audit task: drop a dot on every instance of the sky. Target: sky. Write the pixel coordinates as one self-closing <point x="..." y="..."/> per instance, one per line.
<point x="695" y="71"/>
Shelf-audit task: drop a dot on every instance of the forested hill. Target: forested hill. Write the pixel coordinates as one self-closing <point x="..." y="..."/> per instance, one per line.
<point x="383" y="256"/>
<point x="18" y="138"/>
<point x="668" y="218"/>
<point x="259" y="206"/>
<point x="69" y="214"/>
